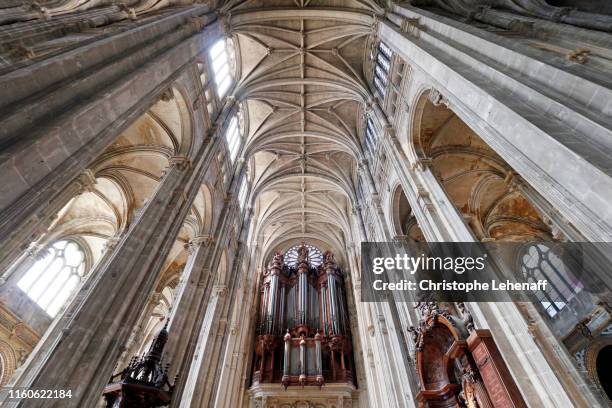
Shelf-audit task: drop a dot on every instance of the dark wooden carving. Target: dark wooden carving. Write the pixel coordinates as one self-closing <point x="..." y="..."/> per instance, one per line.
<point x="457" y="371"/>
<point x="144" y="382"/>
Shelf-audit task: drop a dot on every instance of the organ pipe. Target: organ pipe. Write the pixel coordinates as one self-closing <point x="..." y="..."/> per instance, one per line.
<point x="323" y="302"/>
<point x="287" y="356"/>
<point x="302" y="360"/>
<point x="307" y="301"/>
<point x="319" y="359"/>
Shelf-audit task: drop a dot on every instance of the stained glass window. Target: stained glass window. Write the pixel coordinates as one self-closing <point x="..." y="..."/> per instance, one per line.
<point x="232" y="138"/>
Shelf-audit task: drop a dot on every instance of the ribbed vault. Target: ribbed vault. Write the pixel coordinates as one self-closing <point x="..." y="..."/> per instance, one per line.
<point x="302" y="79"/>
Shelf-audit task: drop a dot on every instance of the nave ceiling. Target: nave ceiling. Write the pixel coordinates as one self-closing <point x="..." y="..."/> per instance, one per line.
<point x="304" y="93"/>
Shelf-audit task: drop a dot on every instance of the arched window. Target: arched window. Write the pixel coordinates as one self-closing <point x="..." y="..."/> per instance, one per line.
<point x="52" y="279"/>
<point x="540" y="262"/>
<point x="232" y="138"/>
<point x="221" y="66"/>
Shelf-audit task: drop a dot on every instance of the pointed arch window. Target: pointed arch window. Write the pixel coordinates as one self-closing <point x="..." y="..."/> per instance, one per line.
<point x="539" y="262"/>
<point x="52" y="279"/>
<point x="221" y="66"/>
<point x="382" y="68"/>
<point x="232" y="138"/>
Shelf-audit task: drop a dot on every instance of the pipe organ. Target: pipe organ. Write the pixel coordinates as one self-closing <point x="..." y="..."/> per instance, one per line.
<point x="303" y="335"/>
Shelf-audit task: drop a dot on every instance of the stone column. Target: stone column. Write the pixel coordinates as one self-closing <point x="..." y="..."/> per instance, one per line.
<point x="199" y="385"/>
<point x="138" y="332"/>
<point x="81" y="349"/>
<point x="235" y="372"/>
<point x="193" y="294"/>
<point x="376" y="207"/>
<point x="202" y="380"/>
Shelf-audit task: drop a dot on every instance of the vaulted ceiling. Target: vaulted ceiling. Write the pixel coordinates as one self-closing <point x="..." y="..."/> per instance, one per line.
<point x="303" y="90"/>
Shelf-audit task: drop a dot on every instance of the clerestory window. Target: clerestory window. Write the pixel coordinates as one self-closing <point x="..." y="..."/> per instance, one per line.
<point x="382" y="68"/>
<point x="371" y="137"/>
<point x="232" y="138"/>
<point x="221" y="66"/>
<point x="242" y="193"/>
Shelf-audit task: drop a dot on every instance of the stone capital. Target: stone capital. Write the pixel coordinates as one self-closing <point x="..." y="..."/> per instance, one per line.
<point x="202" y="240"/>
<point x="37" y="252"/>
<point x="110" y="244"/>
<point x="421" y="164"/>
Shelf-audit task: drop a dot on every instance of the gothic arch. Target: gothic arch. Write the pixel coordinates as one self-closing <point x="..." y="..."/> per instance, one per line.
<point x="403" y="219"/>
<point x="482" y="186"/>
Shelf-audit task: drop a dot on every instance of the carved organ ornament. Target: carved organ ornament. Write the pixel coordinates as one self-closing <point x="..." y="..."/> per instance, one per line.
<point x="303" y="336"/>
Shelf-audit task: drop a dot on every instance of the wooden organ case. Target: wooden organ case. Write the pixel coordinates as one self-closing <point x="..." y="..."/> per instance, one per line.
<point x="303" y="336"/>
